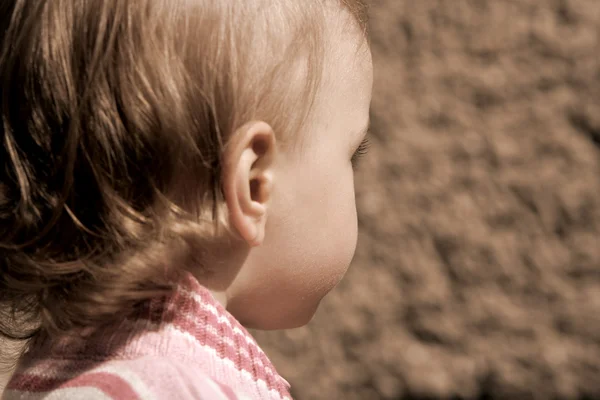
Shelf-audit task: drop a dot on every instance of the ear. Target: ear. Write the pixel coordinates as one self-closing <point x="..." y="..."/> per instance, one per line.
<point x="248" y="163"/>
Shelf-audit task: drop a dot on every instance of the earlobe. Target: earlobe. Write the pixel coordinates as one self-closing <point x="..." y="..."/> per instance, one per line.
<point x="248" y="179"/>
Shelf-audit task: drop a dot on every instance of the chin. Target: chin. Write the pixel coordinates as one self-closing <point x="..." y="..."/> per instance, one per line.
<point x="280" y="319"/>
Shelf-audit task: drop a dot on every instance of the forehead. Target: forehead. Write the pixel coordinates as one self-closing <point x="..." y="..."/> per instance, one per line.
<point x="342" y="102"/>
<point x="345" y="78"/>
<point x="359" y="10"/>
<point x="348" y="65"/>
<point x="347" y="51"/>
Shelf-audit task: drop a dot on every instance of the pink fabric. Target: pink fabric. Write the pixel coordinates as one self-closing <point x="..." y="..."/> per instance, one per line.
<point x="186" y="346"/>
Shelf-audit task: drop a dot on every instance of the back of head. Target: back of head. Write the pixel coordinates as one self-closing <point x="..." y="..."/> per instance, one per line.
<point x="114" y="116"/>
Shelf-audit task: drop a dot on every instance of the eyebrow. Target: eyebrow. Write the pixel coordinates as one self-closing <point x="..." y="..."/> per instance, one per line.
<point x="363" y="132"/>
<point x="360" y="136"/>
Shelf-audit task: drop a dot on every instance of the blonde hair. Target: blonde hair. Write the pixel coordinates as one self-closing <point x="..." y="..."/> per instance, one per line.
<point x="114" y="118"/>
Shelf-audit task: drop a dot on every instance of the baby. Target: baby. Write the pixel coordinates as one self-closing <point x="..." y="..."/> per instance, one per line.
<point x="172" y="171"/>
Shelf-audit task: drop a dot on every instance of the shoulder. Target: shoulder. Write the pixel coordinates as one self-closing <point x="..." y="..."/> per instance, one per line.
<point x="142" y="378"/>
<point x="156" y="378"/>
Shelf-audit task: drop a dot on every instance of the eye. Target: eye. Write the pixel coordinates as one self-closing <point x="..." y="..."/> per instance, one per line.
<point x="361" y="151"/>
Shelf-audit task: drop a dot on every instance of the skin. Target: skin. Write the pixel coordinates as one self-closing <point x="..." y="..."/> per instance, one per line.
<point x="295" y="210"/>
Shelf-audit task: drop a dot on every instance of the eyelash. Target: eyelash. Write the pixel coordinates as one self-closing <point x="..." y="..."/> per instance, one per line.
<point x="361" y="151"/>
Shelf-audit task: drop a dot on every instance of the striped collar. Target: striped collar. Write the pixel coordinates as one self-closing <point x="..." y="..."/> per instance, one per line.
<point x="190" y="326"/>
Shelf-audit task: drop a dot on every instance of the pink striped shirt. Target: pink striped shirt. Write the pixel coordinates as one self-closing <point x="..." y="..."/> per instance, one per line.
<point x="186" y="346"/>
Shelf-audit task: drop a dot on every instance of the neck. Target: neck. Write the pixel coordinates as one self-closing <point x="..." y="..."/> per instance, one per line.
<point x="221" y="267"/>
<point x="219" y="296"/>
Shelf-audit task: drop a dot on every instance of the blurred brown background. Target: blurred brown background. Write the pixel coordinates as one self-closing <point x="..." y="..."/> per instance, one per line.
<point x="478" y="268"/>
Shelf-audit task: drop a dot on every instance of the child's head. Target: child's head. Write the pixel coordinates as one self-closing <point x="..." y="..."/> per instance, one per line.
<point x="141" y="138"/>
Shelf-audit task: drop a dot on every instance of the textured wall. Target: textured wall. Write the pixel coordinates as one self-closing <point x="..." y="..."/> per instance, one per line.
<point x="478" y="268"/>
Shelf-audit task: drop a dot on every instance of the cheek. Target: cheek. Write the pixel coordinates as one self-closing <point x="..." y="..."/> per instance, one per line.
<point x="309" y="244"/>
<point x="322" y="229"/>
<point x="328" y="225"/>
<point x="335" y="231"/>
